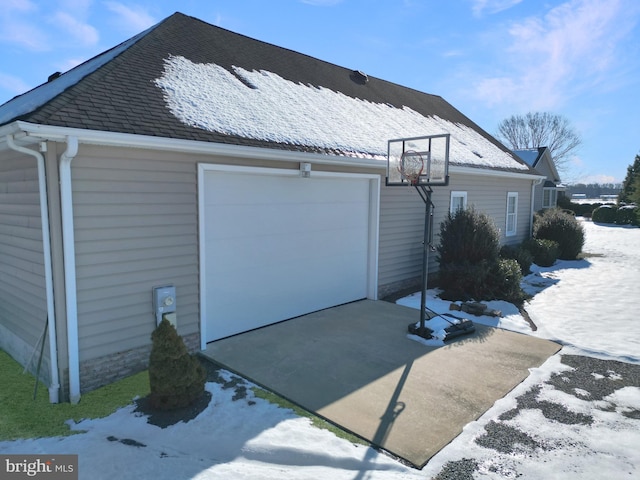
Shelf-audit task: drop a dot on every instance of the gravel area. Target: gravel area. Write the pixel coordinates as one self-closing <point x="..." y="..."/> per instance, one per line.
<point x="589" y="378"/>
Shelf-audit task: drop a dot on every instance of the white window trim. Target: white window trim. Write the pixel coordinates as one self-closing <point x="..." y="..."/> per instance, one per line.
<point x="457" y="194"/>
<point x="513" y="216"/>
<point x="553" y="197"/>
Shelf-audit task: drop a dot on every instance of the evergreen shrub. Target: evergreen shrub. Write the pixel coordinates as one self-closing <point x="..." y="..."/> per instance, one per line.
<point x="627" y="215"/>
<point x="555" y="224"/>
<point x="504" y="281"/>
<point x="520" y="254"/>
<point x="605" y="214"/>
<point x="470" y="267"/>
<point x="544" y="252"/>
<point x="468" y="236"/>
<point x="464" y="280"/>
<point x="176" y="378"/>
<point x="579" y="209"/>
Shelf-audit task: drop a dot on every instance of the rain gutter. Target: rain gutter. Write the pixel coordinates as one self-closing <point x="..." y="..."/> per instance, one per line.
<point x="54" y="387"/>
<point x="96" y="137"/>
<point x="534" y="184"/>
<point x="69" y="253"/>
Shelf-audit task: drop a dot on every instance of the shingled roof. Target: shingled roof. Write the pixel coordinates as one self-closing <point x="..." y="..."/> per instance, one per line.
<point x="129" y="89"/>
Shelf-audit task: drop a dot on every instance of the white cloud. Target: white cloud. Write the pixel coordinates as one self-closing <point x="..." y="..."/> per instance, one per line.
<point x="492" y="6"/>
<point x="13" y="84"/>
<point x="17" y="5"/>
<point x="135" y="18"/>
<point x="597" y="179"/>
<point x="18" y="27"/>
<point x="66" y="64"/>
<point x="77" y="29"/>
<point x="452" y="53"/>
<point x="24" y="34"/>
<point x="321" y="3"/>
<point x="551" y="58"/>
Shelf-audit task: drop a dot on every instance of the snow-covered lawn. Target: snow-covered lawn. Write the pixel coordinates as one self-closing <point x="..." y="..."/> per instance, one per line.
<point x="573" y="419"/>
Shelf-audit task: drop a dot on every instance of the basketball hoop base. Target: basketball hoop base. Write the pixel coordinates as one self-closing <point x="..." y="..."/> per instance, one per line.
<point x="464" y="327"/>
<point x="422" y="332"/>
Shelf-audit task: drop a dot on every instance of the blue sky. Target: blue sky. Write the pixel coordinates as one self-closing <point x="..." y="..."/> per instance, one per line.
<point x="489" y="58"/>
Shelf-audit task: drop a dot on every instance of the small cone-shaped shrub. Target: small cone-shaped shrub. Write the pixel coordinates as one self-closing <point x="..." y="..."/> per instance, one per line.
<point x="176" y="378"/>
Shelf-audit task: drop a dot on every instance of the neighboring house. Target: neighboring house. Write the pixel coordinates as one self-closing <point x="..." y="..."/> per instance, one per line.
<point x="174" y="159"/>
<point x="546" y="193"/>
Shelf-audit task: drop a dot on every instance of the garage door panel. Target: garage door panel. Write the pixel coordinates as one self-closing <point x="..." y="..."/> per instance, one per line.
<point x="269" y="250"/>
<point x="279" y="219"/>
<point x="262" y="304"/>
<point x="277" y="247"/>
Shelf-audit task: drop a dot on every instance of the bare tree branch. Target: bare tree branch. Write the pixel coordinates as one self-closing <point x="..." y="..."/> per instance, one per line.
<point x="541" y="129"/>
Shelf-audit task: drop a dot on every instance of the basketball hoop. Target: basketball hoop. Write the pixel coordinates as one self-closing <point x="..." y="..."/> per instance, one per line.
<point x="422" y="162"/>
<point x="418" y="161"/>
<point x="410" y="166"/>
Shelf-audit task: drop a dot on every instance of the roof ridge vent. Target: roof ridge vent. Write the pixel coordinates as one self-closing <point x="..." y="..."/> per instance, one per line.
<point x="359" y="77"/>
<point x="53" y="76"/>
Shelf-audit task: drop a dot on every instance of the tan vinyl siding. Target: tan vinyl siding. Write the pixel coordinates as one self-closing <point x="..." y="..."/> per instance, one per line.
<point x="135" y="215"/>
<point x="22" y="283"/>
<point x="401" y="233"/>
<point x="402" y="220"/>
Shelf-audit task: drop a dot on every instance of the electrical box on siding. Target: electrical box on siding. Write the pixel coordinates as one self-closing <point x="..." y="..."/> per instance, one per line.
<point x="164" y="304"/>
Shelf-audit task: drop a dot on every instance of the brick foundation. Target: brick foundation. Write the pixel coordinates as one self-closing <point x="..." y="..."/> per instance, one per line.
<point x="98" y="372"/>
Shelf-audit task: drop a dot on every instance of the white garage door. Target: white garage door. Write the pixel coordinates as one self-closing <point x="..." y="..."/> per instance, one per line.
<point x="276" y="246"/>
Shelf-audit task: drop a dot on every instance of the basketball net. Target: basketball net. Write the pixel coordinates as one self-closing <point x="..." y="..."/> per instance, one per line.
<point x="411" y="166"/>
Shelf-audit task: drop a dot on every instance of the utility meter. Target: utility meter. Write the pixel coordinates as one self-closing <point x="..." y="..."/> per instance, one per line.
<point x="164" y="303"/>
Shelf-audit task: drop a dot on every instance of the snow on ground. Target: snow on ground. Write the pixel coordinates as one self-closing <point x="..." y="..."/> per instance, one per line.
<point x="570" y="420"/>
<point x="588" y="306"/>
<point x="592" y="304"/>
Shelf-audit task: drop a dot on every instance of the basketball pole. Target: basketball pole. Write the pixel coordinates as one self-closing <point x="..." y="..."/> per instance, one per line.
<point x="428" y="212"/>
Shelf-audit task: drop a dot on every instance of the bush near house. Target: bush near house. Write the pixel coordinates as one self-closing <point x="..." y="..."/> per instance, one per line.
<point x="176" y="378"/>
<point x="520" y="254"/>
<point x="544" y="252"/>
<point x="504" y="280"/>
<point x="559" y="226"/>
<point x="470" y="265"/>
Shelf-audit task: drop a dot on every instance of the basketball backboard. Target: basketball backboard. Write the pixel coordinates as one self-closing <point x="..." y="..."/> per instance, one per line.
<point x="418" y="161"/>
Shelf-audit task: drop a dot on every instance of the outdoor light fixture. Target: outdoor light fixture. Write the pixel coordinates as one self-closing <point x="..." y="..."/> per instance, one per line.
<point x="305" y="170"/>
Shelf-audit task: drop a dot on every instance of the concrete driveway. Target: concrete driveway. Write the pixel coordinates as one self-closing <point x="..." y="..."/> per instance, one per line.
<point x="354" y="365"/>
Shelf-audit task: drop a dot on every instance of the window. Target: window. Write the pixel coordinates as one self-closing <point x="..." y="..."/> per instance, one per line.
<point x="458" y="201"/>
<point x="549" y="197"/>
<point x="512" y="213"/>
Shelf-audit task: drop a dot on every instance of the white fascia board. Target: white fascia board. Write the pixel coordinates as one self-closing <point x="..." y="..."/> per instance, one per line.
<point x="96" y="137"/>
<point x="33" y="133"/>
<point x="486" y="172"/>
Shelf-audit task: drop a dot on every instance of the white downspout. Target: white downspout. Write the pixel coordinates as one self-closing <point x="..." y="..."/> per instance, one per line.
<point x="68" y="241"/>
<point x="534" y="184"/>
<point x="54" y="388"/>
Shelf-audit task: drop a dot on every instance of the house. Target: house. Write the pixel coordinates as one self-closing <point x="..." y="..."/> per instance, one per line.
<point x="546" y="193"/>
<point x="221" y="181"/>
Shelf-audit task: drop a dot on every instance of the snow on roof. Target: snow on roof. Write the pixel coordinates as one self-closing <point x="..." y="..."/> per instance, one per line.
<point x="262" y="105"/>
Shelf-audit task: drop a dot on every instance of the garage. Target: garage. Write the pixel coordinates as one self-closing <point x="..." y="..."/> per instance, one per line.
<point x="275" y="245"/>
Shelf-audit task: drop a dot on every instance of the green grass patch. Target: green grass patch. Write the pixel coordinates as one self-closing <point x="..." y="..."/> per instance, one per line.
<point x="301" y="412"/>
<point x="23" y="417"/>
